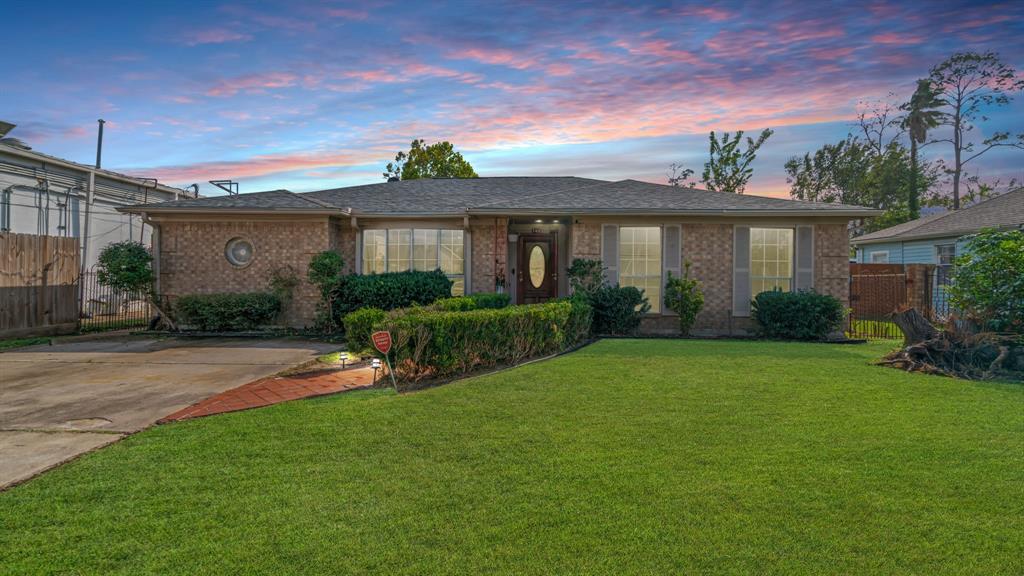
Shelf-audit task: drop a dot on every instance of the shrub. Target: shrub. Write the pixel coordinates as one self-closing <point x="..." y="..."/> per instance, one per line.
<point x="490" y="299"/>
<point x="801" y="315"/>
<point x="586" y="276"/>
<point x="228" y="311"/>
<point x="456" y="304"/>
<point x="389" y="291"/>
<point x="683" y="296"/>
<point x="988" y="287"/>
<point x="359" y="325"/>
<point x="618" y="310"/>
<point x="125" y="266"/>
<point x="437" y="343"/>
<point x="325" y="272"/>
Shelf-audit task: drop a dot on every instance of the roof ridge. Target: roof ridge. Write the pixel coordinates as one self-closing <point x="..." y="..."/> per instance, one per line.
<point x="314" y="201"/>
<point x="599" y="183"/>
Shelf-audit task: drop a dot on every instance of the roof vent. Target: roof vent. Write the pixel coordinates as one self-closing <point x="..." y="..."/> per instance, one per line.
<point x="15" y="143"/>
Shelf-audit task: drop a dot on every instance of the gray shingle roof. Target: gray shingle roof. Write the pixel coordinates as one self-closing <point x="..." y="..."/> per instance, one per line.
<point x="1006" y="211"/>
<point x="506" y="195"/>
<point x="634" y="196"/>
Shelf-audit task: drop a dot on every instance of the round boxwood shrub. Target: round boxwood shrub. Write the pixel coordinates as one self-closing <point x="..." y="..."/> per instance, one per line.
<point x="803" y="315"/>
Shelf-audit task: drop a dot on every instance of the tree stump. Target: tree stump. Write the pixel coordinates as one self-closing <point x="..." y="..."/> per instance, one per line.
<point x="915" y="327"/>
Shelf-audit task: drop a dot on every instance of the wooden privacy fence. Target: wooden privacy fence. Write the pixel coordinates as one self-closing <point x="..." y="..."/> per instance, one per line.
<point x="38" y="285"/>
<point x="878" y="290"/>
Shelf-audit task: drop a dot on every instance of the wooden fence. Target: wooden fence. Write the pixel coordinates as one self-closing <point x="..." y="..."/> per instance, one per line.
<point x="879" y="290"/>
<point x="38" y="285"/>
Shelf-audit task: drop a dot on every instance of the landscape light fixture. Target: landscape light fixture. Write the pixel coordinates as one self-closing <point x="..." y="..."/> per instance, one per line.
<point x="376" y="366"/>
<point x="343" y="356"/>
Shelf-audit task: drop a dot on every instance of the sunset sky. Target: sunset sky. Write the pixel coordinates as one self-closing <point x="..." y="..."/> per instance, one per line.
<point x="306" y="96"/>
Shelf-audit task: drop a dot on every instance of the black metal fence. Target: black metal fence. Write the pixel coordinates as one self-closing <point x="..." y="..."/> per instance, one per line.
<point x="941" y="278"/>
<point x="104" y="308"/>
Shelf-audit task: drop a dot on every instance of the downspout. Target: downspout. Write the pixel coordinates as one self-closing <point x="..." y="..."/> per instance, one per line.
<point x="156" y="253"/>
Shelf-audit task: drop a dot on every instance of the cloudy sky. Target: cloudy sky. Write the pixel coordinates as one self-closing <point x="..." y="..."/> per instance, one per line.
<point x="322" y="94"/>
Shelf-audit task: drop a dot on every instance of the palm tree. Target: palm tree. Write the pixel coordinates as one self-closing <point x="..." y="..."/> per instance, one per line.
<point x="922" y="115"/>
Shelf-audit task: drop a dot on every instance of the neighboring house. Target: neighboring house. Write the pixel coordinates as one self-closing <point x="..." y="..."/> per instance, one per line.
<point x="521" y="230"/>
<point x="938" y="239"/>
<point x="41" y="194"/>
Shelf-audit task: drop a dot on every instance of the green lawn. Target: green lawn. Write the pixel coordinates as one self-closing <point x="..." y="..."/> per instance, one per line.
<point x="629" y="456"/>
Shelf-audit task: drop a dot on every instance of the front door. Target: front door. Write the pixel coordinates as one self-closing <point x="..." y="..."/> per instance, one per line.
<point x="538" y="268"/>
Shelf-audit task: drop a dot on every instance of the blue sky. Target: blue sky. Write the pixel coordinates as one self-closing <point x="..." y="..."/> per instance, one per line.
<point x="312" y="95"/>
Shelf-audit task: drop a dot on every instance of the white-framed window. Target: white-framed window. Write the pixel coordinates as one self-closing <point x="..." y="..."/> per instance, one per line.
<point x="640" y="261"/>
<point x="945" y="254"/>
<point x="879" y="257"/>
<point x="424" y="249"/>
<point x="771" y="260"/>
<point x="375" y="251"/>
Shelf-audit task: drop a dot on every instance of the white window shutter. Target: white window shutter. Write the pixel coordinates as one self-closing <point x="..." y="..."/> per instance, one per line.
<point x="610" y="253"/>
<point x="672" y="257"/>
<point x="804" y="257"/>
<point x="741" y="271"/>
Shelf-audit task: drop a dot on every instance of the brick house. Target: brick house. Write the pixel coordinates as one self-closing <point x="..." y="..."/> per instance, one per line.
<point x="516" y="234"/>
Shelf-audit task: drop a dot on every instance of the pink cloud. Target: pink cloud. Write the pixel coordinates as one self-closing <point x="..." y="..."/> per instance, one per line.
<point x="347" y="13"/>
<point x="660" y="49"/>
<point x="214" y="36"/>
<point x="258" y="165"/>
<point x="897" y="39"/>
<point x="252" y="83"/>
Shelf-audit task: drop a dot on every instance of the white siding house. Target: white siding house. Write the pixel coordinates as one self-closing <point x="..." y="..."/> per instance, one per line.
<point x="42" y="194"/>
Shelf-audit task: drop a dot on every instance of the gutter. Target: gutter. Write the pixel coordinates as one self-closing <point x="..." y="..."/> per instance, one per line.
<point x="860" y="213"/>
<point x="154" y="209"/>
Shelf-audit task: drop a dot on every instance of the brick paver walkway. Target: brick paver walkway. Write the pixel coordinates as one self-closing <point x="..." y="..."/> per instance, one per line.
<point x="277" y="389"/>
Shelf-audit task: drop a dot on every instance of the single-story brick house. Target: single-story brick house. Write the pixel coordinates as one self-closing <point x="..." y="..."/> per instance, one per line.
<point x="516" y="234"/>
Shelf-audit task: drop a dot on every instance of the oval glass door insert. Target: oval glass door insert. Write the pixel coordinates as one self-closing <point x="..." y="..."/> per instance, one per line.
<point x="538" y="266"/>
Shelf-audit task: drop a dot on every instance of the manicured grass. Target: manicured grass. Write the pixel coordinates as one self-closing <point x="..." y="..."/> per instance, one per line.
<point x="21" y="342"/>
<point x="629" y="456"/>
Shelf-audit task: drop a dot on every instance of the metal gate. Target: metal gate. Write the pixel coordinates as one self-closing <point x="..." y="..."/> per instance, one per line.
<point x="875" y="293"/>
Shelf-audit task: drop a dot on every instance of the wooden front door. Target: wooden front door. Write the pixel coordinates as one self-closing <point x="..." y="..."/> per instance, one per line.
<point x="538" y="268"/>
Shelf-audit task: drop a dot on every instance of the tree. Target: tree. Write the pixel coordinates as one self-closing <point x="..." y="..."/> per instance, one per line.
<point x="880" y="123"/>
<point x="851" y="172"/>
<point x="966" y="84"/>
<point x="439" y="160"/>
<point x="989" y="284"/>
<point x="728" y="167"/>
<point x="127" y="267"/>
<point x="921" y="116"/>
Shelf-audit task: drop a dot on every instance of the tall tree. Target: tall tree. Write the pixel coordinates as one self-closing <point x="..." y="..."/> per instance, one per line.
<point x="728" y="166"/>
<point x="921" y="116"/>
<point x="879" y="122"/>
<point x="439" y="160"/>
<point x="851" y="172"/>
<point x="967" y="84"/>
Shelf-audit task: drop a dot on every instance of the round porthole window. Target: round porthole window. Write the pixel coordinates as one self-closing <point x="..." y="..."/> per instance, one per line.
<point x="239" y="251"/>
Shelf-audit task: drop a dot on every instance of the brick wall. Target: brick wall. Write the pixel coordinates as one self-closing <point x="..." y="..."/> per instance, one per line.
<point x="487" y="253"/>
<point x="586" y="241"/>
<point x="708" y="247"/>
<point x="192" y="259"/>
<point x="832" y="261"/>
<point x="343" y="241"/>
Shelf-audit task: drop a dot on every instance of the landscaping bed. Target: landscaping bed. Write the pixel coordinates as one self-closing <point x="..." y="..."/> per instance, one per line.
<point x="628" y="456"/>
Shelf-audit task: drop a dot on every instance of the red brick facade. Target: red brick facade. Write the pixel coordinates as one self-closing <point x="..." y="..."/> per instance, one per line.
<point x="192" y="261"/>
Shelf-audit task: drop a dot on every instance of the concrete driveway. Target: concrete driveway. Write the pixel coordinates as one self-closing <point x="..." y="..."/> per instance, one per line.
<point x="59" y="401"/>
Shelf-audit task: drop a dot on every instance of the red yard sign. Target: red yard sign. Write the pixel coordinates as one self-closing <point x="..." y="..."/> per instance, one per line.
<point x="381" y="341"/>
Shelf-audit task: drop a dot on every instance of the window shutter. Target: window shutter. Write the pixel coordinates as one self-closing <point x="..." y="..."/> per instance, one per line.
<point x="610" y="253"/>
<point x="467" y="262"/>
<point x="804" y="257"/>
<point x="741" y="271"/>
<point x="672" y="257"/>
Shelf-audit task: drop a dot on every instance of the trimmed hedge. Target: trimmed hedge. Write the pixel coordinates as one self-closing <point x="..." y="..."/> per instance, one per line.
<point x="490" y="300"/>
<point x="228" y="312"/>
<point x="389" y="291"/>
<point x="437" y="343"/>
<point x="803" y="315"/>
<point x="359" y="325"/>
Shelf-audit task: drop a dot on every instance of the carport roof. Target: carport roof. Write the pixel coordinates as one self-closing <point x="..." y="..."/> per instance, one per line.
<point x="505" y="195"/>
